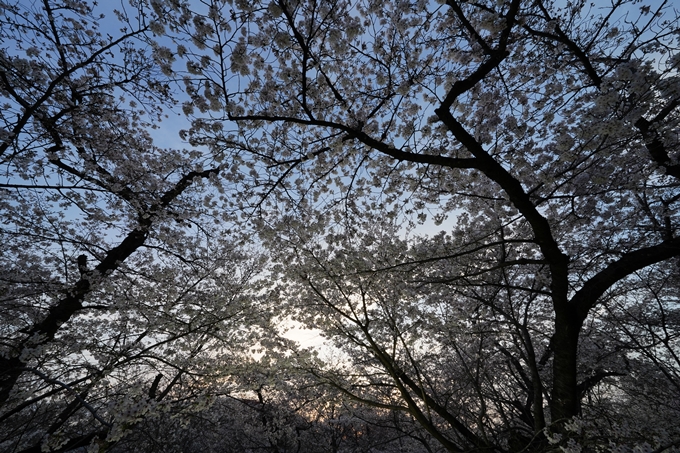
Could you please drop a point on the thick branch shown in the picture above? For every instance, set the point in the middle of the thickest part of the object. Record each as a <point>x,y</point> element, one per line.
<point>495,58</point>
<point>44,331</point>
<point>520,199</point>
<point>595,379</point>
<point>562,38</point>
<point>587,297</point>
<point>653,141</point>
<point>444,161</point>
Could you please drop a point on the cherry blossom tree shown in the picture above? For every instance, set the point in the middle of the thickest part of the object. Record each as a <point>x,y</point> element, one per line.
<point>286,412</point>
<point>542,135</point>
<point>121,291</point>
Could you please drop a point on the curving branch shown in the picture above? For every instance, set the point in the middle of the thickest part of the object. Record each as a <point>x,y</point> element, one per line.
<point>653,140</point>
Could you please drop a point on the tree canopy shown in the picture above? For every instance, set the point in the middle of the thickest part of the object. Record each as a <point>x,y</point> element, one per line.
<point>474,202</point>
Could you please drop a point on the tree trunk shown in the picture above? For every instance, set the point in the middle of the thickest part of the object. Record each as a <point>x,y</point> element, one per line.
<point>565,397</point>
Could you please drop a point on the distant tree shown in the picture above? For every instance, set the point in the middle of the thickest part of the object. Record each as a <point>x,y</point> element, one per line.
<point>544,134</point>
<point>121,294</point>
<point>285,415</point>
